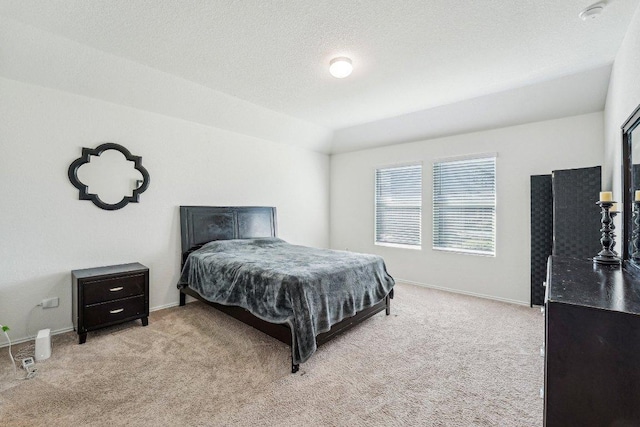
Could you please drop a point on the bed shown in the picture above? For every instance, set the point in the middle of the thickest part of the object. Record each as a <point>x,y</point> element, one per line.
<point>233,260</point>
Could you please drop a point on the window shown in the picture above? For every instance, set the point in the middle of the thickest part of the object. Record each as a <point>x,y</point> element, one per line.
<point>464,205</point>
<point>399,206</point>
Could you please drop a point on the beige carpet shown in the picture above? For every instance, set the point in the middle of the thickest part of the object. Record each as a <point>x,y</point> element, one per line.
<point>440,359</point>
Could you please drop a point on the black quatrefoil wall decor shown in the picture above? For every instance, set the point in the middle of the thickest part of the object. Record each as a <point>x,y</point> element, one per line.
<point>140,187</point>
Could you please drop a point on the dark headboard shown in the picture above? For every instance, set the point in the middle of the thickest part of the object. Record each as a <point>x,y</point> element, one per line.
<point>203,224</point>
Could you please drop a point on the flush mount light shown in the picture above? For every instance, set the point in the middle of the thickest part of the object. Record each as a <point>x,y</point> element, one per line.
<point>340,67</point>
<point>592,12</point>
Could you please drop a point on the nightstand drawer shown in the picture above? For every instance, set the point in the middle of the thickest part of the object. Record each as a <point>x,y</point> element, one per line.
<point>114,311</point>
<point>113,288</point>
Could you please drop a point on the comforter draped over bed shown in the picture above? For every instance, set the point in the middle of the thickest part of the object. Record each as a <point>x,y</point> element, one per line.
<point>310,289</point>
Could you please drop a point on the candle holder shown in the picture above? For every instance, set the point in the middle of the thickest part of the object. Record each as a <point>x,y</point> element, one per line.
<point>613,235</point>
<point>635,231</point>
<point>607,255</point>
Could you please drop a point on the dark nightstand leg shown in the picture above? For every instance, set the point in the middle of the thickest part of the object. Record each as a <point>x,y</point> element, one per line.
<point>183,299</point>
<point>145,321</point>
<point>82,338</point>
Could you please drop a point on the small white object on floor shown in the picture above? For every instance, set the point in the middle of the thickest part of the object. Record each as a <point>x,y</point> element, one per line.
<point>30,366</point>
<point>43,345</point>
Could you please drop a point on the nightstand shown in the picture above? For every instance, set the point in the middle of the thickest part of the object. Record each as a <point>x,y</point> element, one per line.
<point>106,296</point>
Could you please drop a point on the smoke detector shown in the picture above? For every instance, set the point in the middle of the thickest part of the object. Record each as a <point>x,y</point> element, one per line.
<point>592,12</point>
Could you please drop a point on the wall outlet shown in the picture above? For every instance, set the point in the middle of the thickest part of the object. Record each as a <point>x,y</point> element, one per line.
<point>50,302</point>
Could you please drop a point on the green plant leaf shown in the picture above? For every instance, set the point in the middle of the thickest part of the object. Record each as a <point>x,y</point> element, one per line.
<point>5,328</point>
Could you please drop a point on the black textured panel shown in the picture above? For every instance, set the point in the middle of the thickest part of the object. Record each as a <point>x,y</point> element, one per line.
<point>635,176</point>
<point>576,217</point>
<point>628,228</point>
<point>256,223</point>
<point>541,234</point>
<point>207,227</point>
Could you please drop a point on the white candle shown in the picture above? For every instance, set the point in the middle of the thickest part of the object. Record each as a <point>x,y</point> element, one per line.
<point>637,198</point>
<point>606,196</point>
<point>614,208</point>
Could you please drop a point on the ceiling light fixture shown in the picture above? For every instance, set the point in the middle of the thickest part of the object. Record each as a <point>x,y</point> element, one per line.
<point>592,12</point>
<point>340,67</point>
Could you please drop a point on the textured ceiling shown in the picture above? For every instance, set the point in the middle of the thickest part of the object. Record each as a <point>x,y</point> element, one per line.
<point>408,55</point>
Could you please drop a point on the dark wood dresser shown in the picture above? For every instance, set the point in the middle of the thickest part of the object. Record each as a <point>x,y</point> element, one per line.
<point>592,345</point>
<point>106,296</point>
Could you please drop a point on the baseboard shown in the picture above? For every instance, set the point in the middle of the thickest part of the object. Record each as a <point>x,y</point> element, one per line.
<point>70,328</point>
<point>162,307</point>
<point>458,291</point>
<point>31,338</point>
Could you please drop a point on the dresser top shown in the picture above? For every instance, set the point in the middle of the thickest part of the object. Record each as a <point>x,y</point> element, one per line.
<point>110,269</point>
<point>583,283</point>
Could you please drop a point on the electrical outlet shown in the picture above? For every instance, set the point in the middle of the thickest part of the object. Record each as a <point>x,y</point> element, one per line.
<point>50,302</point>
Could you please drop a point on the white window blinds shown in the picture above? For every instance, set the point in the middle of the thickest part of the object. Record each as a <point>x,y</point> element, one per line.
<point>464,205</point>
<point>399,205</point>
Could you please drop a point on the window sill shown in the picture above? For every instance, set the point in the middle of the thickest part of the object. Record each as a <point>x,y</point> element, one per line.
<point>398,245</point>
<point>466,252</point>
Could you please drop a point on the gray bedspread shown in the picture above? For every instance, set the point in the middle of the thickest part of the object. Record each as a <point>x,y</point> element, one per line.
<point>310,289</point>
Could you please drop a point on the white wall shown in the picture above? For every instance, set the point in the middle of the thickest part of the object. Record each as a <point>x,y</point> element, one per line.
<point>623,97</point>
<point>525,150</point>
<point>46,231</point>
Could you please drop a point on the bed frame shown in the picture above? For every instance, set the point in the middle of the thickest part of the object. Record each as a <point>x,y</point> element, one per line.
<point>202,224</point>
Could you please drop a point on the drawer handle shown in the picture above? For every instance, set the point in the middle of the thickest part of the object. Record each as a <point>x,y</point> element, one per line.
<point>119,288</point>
<point>117,311</point>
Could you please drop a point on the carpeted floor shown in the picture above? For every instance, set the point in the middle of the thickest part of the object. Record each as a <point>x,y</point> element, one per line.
<point>440,359</point>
